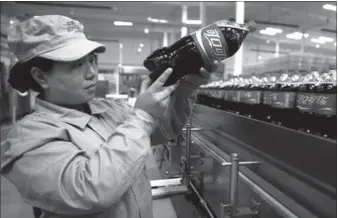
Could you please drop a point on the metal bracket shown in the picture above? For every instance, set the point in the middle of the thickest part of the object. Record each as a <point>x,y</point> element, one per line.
<point>232,210</point>
<point>226,210</point>
<point>167,187</point>
<point>252,211</point>
<point>187,159</point>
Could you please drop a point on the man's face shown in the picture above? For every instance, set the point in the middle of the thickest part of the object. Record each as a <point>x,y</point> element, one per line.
<point>72,83</point>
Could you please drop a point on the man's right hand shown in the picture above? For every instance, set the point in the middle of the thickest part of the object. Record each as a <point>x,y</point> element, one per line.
<point>155,99</point>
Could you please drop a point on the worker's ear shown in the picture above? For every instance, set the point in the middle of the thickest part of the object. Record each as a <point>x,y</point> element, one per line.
<point>40,77</point>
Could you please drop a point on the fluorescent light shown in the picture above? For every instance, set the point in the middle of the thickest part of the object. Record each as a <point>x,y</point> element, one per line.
<point>330,7</point>
<point>266,32</point>
<point>318,41</point>
<point>327,39</point>
<point>306,35</point>
<point>146,31</point>
<point>139,49</point>
<point>317,46</point>
<point>295,35</point>
<point>271,29</point>
<point>141,45</point>
<point>123,23</point>
<point>154,20</point>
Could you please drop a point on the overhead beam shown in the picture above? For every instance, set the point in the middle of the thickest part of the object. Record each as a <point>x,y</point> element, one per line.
<point>195,3</point>
<point>21,9</point>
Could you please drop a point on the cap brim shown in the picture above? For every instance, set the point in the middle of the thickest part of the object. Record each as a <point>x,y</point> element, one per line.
<point>74,51</point>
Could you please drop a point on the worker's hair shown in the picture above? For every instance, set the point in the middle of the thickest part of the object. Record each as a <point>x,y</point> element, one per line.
<point>21,78</point>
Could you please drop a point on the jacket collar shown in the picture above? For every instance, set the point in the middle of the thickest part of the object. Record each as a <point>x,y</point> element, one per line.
<point>70,116</point>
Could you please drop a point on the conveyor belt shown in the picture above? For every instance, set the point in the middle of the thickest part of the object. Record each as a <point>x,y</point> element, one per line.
<point>305,195</point>
<point>312,193</point>
<point>313,156</point>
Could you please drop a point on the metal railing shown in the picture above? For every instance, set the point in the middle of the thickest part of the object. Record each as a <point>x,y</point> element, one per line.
<point>183,184</point>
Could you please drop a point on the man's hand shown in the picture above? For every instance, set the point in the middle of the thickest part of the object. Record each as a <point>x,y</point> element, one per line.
<point>202,78</point>
<point>155,99</point>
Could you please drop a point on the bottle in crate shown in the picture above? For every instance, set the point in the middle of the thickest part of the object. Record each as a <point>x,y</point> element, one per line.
<point>217,94</point>
<point>275,98</point>
<point>326,106</point>
<point>240,95</point>
<point>231,104</point>
<point>251,97</point>
<point>284,100</point>
<point>225,103</point>
<point>265,111</point>
<point>256,101</point>
<point>307,102</point>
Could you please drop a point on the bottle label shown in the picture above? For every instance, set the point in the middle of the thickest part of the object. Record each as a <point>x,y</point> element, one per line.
<point>229,95</point>
<point>251,97</point>
<point>235,96</point>
<point>216,94</point>
<point>225,95</point>
<point>211,44</point>
<point>283,99</point>
<point>267,98</point>
<point>318,103</point>
<point>219,94</point>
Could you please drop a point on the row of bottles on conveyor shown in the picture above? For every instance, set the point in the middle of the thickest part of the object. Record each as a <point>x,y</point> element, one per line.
<point>298,100</point>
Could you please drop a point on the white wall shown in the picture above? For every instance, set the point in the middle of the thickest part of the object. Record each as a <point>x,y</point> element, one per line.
<point>130,55</point>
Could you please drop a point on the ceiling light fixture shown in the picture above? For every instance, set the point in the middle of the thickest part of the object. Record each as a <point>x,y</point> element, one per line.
<point>139,49</point>
<point>318,41</point>
<point>276,30</point>
<point>317,46</point>
<point>141,45</point>
<point>123,23</point>
<point>330,7</point>
<point>326,39</point>
<point>266,32</point>
<point>295,35</point>
<point>154,20</point>
<point>146,30</point>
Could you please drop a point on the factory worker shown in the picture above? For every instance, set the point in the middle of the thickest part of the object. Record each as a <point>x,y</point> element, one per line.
<point>74,155</point>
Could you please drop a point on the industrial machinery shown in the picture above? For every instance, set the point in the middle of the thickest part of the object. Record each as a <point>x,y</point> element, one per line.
<point>230,165</point>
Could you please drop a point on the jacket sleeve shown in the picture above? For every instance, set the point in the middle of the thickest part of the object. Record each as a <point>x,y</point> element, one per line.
<point>56,176</point>
<point>179,110</point>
